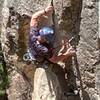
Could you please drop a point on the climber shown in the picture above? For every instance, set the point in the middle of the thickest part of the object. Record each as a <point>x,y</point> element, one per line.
<point>41,40</point>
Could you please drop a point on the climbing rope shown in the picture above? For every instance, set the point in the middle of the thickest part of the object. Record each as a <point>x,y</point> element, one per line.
<point>53,15</point>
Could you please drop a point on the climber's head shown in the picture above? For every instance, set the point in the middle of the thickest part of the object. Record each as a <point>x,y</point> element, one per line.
<point>46,34</point>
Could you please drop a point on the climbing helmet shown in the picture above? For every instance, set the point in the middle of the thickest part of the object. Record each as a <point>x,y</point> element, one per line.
<point>47,32</point>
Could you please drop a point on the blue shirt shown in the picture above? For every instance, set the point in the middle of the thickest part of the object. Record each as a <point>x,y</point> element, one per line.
<point>37,49</point>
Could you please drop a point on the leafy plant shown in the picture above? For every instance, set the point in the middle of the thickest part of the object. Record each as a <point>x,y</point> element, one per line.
<point>3,75</point>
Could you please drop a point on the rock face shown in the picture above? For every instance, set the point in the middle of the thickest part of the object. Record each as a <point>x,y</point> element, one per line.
<point>75,18</point>
<point>20,88</point>
<point>1,3</point>
<point>45,91</point>
<point>88,51</point>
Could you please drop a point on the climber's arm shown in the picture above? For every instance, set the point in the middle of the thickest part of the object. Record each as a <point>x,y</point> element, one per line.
<point>36,17</point>
<point>63,57</point>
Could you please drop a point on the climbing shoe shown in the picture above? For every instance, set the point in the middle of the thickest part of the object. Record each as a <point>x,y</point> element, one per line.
<point>71,93</point>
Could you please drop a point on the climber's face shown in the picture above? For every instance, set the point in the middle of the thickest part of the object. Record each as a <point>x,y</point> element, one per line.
<point>41,39</point>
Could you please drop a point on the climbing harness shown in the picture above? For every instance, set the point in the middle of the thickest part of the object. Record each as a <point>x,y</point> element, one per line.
<point>29,57</point>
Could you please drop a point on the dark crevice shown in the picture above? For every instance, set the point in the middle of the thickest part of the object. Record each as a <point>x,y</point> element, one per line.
<point>23,33</point>
<point>12,27</point>
<point>17,24</point>
<point>71,19</point>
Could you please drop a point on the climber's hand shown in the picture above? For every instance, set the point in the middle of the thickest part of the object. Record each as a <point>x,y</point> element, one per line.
<point>70,51</point>
<point>49,9</point>
<point>65,44</point>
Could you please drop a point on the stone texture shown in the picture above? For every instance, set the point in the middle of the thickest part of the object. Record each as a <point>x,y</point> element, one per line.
<point>88,52</point>
<point>76,17</point>
<point>1,3</point>
<point>19,89</point>
<point>42,90</point>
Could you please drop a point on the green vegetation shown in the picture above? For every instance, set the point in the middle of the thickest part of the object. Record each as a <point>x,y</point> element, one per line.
<point>3,75</point>
<point>3,72</point>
